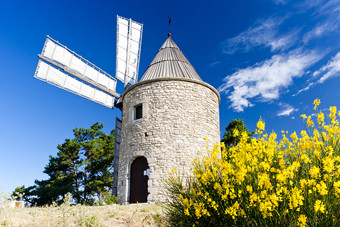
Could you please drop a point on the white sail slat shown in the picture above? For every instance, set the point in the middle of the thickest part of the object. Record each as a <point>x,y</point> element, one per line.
<point>49,48</point>
<point>129,38</point>
<point>59,78</point>
<point>60,54</point>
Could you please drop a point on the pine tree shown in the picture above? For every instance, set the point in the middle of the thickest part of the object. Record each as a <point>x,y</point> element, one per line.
<point>229,138</point>
<point>83,168</point>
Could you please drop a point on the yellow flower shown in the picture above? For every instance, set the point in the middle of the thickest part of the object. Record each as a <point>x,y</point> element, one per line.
<point>236,132</point>
<point>321,118</point>
<point>303,183</point>
<point>337,189</point>
<point>218,187</point>
<point>322,188</point>
<point>232,211</point>
<point>294,137</point>
<point>302,220</point>
<point>296,198</point>
<point>199,210</point>
<point>260,125</point>
<point>319,206</point>
<point>309,122</point>
<point>303,116</point>
<point>332,114</point>
<point>253,199</point>
<point>266,207</point>
<point>328,164</point>
<point>316,103</point>
<point>314,172</point>
<point>329,150</point>
<point>267,176</point>
<point>249,189</point>
<point>264,180</point>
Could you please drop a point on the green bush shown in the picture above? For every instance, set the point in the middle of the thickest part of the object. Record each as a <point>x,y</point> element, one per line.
<point>264,182</point>
<point>109,199</point>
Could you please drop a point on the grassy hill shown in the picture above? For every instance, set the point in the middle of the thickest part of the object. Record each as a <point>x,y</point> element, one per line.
<point>67,215</point>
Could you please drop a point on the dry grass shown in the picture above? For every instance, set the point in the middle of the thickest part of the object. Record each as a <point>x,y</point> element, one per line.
<point>67,215</point>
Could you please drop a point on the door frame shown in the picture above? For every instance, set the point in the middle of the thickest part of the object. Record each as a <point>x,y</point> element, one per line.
<point>129,176</point>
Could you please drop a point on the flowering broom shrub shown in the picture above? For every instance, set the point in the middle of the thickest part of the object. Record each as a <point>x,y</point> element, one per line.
<point>265,182</point>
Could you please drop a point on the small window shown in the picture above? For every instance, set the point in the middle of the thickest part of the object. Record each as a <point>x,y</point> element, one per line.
<point>138,111</point>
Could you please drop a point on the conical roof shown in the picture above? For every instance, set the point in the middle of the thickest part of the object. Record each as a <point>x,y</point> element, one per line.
<point>170,62</point>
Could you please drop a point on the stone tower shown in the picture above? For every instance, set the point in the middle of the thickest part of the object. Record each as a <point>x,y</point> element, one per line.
<point>166,117</point>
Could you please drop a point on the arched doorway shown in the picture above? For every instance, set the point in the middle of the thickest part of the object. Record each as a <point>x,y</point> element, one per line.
<point>139,180</point>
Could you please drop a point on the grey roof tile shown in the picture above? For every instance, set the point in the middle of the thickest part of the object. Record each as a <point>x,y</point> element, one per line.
<point>170,62</point>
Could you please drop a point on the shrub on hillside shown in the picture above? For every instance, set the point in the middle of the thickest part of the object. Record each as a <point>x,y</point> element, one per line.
<point>265,182</point>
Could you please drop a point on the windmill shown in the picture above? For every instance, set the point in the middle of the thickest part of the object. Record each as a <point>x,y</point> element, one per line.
<point>63,68</point>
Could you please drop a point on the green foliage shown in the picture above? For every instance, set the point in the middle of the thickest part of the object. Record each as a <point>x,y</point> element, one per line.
<point>108,198</point>
<point>89,221</point>
<point>229,138</point>
<point>82,168</point>
<point>24,194</point>
<point>98,150</point>
<point>6,223</point>
<point>174,210</point>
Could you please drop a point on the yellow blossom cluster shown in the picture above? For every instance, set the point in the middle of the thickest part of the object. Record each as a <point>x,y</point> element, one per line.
<point>295,180</point>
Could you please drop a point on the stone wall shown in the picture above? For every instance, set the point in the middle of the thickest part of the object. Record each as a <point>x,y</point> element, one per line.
<point>178,114</point>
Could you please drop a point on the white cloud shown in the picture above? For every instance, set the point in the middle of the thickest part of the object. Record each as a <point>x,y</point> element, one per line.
<point>264,33</point>
<point>329,13</point>
<point>331,69</point>
<point>213,64</point>
<point>283,2</point>
<point>286,110</point>
<point>320,30</point>
<point>330,7</point>
<point>266,79</point>
<point>307,4</point>
<point>305,89</point>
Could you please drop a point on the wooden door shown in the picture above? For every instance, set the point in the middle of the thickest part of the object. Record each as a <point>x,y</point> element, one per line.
<point>139,180</point>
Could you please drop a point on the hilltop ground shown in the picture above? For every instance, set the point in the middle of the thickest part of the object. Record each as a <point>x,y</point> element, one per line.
<point>66,215</point>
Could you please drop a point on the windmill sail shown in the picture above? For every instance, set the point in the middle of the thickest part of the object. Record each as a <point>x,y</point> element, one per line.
<point>129,39</point>
<point>65,69</point>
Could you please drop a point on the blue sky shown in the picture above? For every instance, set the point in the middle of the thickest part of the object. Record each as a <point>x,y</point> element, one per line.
<point>268,58</point>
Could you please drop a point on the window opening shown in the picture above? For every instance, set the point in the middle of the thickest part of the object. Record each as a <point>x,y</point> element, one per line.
<point>138,111</point>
